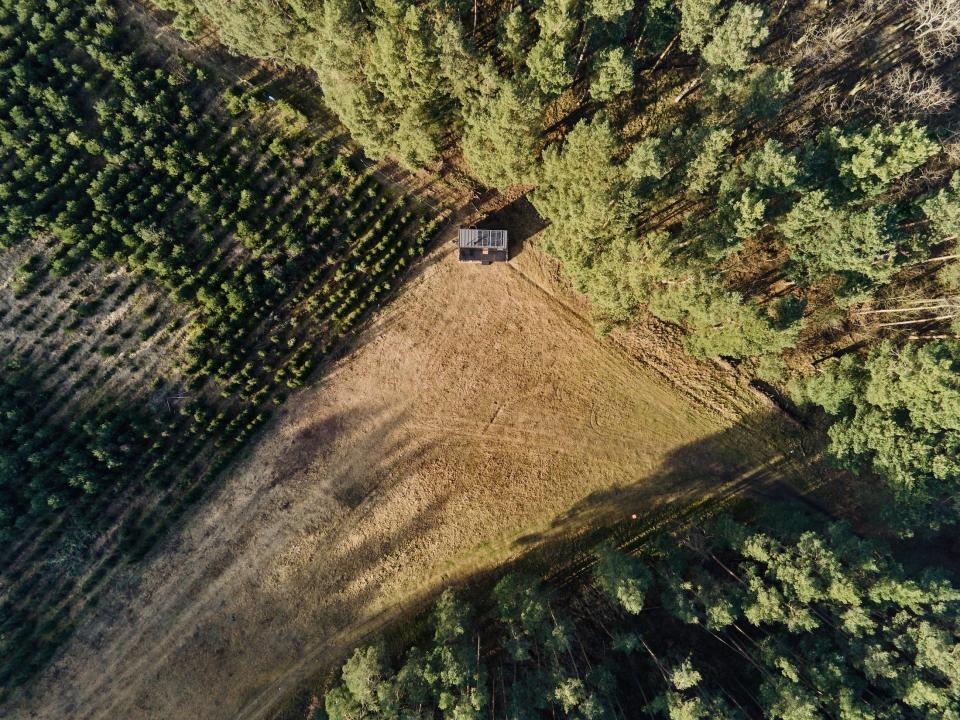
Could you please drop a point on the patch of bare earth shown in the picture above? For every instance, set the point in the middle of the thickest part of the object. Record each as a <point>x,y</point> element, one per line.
<point>479,416</point>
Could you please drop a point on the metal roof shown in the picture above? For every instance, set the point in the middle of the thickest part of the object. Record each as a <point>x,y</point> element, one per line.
<point>476,238</point>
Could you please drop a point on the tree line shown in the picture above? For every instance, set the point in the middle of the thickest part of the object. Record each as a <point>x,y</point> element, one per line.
<point>782,617</point>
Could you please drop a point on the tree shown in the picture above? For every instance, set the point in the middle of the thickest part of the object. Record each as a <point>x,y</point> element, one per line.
<point>784,617</point>
<point>551,65</point>
<point>515,32</point>
<point>340,66</point>
<point>259,28</point>
<point>622,277</point>
<point>748,189</point>
<point>943,211</point>
<point>624,579</point>
<point>742,31</point>
<point>719,322</point>
<point>501,137</point>
<point>860,246</point>
<point>646,160</point>
<point>697,21</point>
<point>450,670</point>
<point>366,689</point>
<point>405,67</point>
<point>711,158</point>
<point>613,74</point>
<point>523,606</point>
<point>551,60</point>
<point>610,10</point>
<point>585,195</point>
<point>868,162</point>
<point>897,413</point>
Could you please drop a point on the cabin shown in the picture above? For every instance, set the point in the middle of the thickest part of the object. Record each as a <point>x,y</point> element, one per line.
<point>483,246</point>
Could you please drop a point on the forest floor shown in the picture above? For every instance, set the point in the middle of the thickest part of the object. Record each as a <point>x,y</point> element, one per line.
<point>475,418</point>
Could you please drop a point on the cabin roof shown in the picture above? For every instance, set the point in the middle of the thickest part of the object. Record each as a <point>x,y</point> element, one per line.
<point>475,238</point>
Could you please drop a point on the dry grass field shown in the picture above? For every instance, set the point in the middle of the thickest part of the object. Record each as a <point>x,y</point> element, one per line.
<point>477,416</point>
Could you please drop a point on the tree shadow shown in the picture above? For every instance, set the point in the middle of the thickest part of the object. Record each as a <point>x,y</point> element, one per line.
<point>726,470</point>
<point>296,625</point>
<point>696,480</point>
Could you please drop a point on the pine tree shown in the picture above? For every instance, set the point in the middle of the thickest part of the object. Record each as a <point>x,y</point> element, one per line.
<point>585,195</point>
<point>698,18</point>
<point>516,32</point>
<point>898,414</point>
<point>501,137</point>
<point>741,32</point>
<point>861,246</point>
<point>943,211</point>
<point>613,74</point>
<point>719,322</point>
<point>868,162</point>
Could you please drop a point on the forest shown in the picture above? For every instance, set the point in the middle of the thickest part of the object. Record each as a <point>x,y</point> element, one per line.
<point>782,181</point>
<point>785,617</point>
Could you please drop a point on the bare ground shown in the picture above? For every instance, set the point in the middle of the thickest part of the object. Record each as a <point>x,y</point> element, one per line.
<point>477,417</point>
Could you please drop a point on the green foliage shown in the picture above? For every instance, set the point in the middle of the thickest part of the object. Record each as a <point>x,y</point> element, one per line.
<point>860,246</point>
<point>613,74</point>
<point>610,10</point>
<point>585,195</point>
<point>742,31</point>
<point>720,323</point>
<point>646,161</point>
<point>550,61</point>
<point>551,65</point>
<point>624,579</point>
<point>785,617</point>
<point>767,89</point>
<point>516,32</point>
<point>748,189</point>
<point>404,68</point>
<point>258,28</point>
<point>868,161</point>
<point>132,171</point>
<point>713,154</point>
<point>498,140</point>
<point>660,23</point>
<point>943,210</point>
<point>622,278</point>
<point>897,413</point>
<point>698,18</point>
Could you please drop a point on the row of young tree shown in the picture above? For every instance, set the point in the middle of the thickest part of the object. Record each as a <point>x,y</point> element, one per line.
<point>118,158</point>
<point>781,618</point>
<point>733,168</point>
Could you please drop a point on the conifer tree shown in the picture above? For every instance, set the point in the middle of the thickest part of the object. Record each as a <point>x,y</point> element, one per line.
<point>613,74</point>
<point>585,195</point>
<point>501,135</point>
<point>898,415</point>
<point>734,40</point>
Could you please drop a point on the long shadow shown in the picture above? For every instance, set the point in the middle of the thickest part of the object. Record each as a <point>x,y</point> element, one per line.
<point>694,482</point>
<point>341,588</point>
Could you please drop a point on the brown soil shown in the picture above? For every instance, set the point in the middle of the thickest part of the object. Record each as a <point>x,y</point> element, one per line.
<point>478,416</point>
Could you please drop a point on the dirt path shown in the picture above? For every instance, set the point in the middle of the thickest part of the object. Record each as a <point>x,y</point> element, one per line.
<point>479,416</point>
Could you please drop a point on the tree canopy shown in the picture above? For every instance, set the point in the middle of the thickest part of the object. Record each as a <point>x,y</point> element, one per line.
<point>779,619</point>
<point>898,415</point>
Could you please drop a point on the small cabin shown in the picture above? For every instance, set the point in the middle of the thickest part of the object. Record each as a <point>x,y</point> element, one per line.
<point>483,246</point>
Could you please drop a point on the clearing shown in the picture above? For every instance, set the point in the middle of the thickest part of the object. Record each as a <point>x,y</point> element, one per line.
<point>477,417</point>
